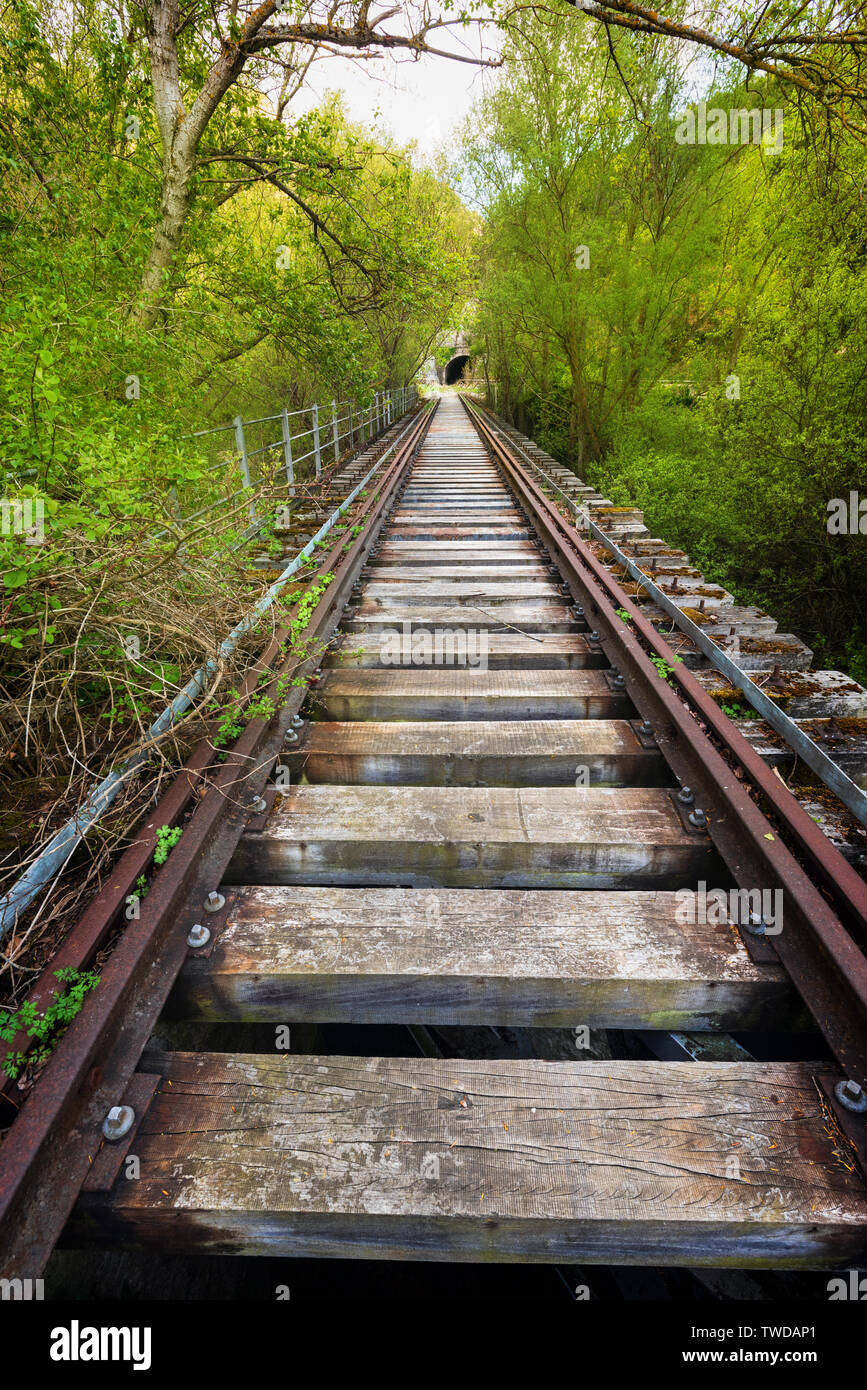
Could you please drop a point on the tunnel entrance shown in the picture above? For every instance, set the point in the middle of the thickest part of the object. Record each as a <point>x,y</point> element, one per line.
<point>455,369</point>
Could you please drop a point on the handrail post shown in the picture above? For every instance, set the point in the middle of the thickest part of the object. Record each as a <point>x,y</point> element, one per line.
<point>317,450</point>
<point>287,450</point>
<point>334,432</point>
<point>241,444</point>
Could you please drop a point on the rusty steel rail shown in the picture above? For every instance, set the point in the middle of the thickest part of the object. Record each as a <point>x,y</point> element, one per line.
<point>825,914</point>
<point>51,1145</point>
<point>54,856</point>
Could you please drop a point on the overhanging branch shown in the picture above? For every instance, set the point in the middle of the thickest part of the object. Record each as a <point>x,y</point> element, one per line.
<point>825,67</point>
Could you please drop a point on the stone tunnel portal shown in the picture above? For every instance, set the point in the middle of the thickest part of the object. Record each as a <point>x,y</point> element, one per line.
<point>455,369</point>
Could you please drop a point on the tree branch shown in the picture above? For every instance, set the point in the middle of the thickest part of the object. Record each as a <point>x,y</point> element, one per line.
<point>809,72</point>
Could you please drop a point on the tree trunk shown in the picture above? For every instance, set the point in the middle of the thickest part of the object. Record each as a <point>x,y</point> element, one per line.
<point>581,424</point>
<point>174,206</point>
<point>180,133</point>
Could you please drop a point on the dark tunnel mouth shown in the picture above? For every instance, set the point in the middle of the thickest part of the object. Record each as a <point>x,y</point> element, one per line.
<point>455,369</point>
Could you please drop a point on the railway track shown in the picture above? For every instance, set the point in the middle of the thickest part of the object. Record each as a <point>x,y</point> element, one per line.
<point>499,808</point>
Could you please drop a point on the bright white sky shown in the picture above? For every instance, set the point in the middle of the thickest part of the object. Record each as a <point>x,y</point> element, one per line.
<point>425,101</point>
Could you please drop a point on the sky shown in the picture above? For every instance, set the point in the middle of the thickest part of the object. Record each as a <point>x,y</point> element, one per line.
<point>425,101</point>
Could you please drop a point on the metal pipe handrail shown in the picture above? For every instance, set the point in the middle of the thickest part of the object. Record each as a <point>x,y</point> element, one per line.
<point>833,776</point>
<point>324,433</point>
<point>369,410</point>
<point>53,857</point>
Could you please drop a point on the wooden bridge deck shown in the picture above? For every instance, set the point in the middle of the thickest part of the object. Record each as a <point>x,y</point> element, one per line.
<point>438,859</point>
<point>610,1162</point>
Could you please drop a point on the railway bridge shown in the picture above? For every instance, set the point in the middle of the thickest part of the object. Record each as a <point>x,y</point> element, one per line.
<point>489,835</point>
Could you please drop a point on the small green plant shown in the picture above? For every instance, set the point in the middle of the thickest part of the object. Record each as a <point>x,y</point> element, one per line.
<point>623,615</point>
<point>664,670</point>
<point>739,711</point>
<point>235,718</point>
<point>166,841</point>
<point>47,1028</point>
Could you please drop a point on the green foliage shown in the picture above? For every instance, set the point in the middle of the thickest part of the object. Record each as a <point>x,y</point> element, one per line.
<point>331,285</point>
<point>236,716</point>
<point>167,838</point>
<point>47,1028</point>
<point>593,224</point>
<point>710,364</point>
<point>663,668</point>
<point>739,711</point>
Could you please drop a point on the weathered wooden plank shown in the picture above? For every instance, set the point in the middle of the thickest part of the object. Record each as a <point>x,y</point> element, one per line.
<point>503,957</point>
<point>688,594</point>
<point>528,616</point>
<point>747,622</point>
<point>481,530</point>
<point>509,837</point>
<point>504,651</point>
<point>515,554</point>
<point>516,752</point>
<point>490,592</point>
<point>808,695</point>
<point>456,574</point>
<point>606,1162</point>
<point>501,515</point>
<point>844,740</point>
<point>421,693</point>
<point>457,546</point>
<point>426,500</point>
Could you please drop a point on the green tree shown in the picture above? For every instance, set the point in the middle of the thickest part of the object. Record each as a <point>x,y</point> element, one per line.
<point>601,256</point>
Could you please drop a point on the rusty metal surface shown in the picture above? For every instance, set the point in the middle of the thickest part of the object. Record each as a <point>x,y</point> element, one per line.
<point>109,1158</point>
<point>853,1127</point>
<point>837,874</point>
<point>817,945</point>
<point>92,929</point>
<point>49,1149</point>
